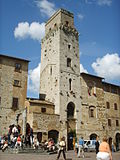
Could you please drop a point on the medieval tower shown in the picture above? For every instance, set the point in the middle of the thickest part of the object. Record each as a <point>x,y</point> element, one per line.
<point>60,69</point>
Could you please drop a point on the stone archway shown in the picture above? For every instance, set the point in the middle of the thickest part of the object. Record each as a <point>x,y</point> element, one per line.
<point>54,134</point>
<point>117,137</point>
<point>70,110</point>
<point>93,136</point>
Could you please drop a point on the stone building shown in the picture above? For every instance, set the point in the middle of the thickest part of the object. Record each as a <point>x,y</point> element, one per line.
<point>80,101</point>
<point>13,90</point>
<point>60,69</point>
<point>42,118</point>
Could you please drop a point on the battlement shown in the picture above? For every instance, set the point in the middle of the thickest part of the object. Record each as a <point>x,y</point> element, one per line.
<point>60,17</point>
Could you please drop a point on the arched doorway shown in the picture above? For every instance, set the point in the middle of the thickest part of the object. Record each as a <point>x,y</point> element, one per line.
<point>70,125</point>
<point>117,141</point>
<point>54,135</point>
<point>93,136</point>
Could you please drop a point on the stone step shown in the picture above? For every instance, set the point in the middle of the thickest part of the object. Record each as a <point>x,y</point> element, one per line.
<point>29,150</point>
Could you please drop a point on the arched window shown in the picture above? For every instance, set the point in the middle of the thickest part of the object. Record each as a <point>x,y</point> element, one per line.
<point>68,62</point>
<point>91,111</point>
<point>70,84</point>
<point>70,110</point>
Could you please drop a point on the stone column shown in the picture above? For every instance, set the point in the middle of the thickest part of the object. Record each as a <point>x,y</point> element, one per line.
<point>24,120</point>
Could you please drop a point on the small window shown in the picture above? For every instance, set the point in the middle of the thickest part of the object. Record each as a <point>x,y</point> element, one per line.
<point>70,84</point>
<point>55,25</point>
<point>49,29</point>
<point>115,106</point>
<point>43,110</point>
<point>68,62</point>
<point>109,122</point>
<point>117,123</point>
<point>108,105</point>
<point>15,103</point>
<point>66,23</point>
<point>17,67</point>
<point>50,70</point>
<point>17,83</point>
<point>91,113</point>
<point>69,46</point>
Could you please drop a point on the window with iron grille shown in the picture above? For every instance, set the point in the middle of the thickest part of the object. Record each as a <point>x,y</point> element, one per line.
<point>91,112</point>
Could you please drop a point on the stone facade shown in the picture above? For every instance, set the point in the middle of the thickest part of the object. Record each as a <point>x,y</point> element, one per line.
<point>96,94</point>
<point>41,117</point>
<point>79,100</point>
<point>13,89</point>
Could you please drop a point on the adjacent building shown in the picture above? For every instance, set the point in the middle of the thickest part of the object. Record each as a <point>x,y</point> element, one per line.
<point>13,91</point>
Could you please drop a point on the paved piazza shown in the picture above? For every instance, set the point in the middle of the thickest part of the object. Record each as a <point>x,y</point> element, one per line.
<point>34,156</point>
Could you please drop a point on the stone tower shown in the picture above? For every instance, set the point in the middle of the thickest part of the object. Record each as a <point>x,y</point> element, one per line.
<point>60,69</point>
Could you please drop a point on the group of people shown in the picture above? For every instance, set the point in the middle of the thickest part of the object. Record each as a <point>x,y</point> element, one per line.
<point>14,138</point>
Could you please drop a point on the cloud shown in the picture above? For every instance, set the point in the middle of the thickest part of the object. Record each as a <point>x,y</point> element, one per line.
<point>34,79</point>
<point>108,66</point>
<point>82,69</point>
<point>104,2</point>
<point>99,2</point>
<point>80,16</point>
<point>34,30</point>
<point>46,8</point>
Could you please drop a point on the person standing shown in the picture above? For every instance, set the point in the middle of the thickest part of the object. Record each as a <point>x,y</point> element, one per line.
<point>81,147</point>
<point>62,146</point>
<point>104,151</point>
<point>97,145</point>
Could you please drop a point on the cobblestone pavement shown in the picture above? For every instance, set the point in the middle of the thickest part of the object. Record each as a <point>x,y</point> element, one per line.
<point>70,156</point>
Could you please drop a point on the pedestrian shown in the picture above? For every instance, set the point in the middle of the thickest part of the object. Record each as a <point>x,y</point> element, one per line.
<point>62,146</point>
<point>104,151</point>
<point>97,145</point>
<point>81,147</point>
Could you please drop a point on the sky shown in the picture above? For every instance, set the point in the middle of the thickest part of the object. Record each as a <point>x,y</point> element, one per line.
<point>22,26</point>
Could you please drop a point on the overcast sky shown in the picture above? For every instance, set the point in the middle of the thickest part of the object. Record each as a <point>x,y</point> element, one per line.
<point>22,25</point>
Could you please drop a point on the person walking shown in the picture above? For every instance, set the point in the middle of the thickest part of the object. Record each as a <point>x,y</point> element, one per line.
<point>97,145</point>
<point>104,151</point>
<point>81,147</point>
<point>62,146</point>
